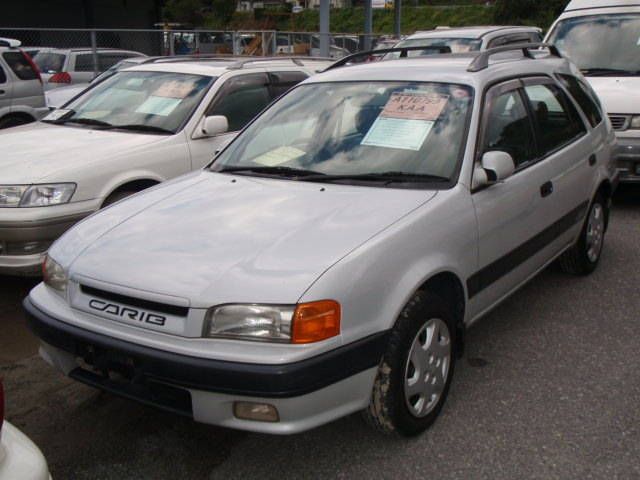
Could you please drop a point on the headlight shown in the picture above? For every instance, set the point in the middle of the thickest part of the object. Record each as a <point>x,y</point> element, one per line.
<point>36,195</point>
<point>54,275</point>
<point>302,323</point>
<point>10,195</point>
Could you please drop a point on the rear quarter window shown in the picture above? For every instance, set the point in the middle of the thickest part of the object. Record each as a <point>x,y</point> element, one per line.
<point>3,77</point>
<point>19,64</point>
<point>49,62</point>
<point>84,63</point>
<point>583,97</point>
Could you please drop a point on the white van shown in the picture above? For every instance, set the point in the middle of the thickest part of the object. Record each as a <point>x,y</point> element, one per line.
<point>602,37</point>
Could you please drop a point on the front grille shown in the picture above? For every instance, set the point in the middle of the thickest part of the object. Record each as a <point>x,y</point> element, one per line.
<point>136,302</point>
<point>619,122</point>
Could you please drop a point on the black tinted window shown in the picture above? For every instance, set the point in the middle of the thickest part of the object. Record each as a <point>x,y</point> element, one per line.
<point>508,128</point>
<point>556,119</point>
<point>283,81</point>
<point>241,99</point>
<point>3,77</point>
<point>108,60</point>
<point>19,64</point>
<point>84,63</point>
<point>582,94</point>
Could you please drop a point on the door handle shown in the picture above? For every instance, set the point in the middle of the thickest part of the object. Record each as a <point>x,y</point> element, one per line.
<point>1,92</point>
<point>592,160</point>
<point>546,189</point>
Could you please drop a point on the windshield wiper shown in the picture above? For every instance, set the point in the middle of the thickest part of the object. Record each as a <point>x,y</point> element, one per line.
<point>278,171</point>
<point>88,121</point>
<point>603,72</point>
<point>383,177</point>
<point>143,128</point>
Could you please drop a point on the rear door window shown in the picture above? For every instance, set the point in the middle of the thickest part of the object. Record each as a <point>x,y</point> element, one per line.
<point>20,65</point>
<point>583,97</point>
<point>84,63</point>
<point>49,62</point>
<point>556,119</point>
<point>3,76</point>
<point>108,60</point>
<point>241,98</point>
<point>281,82</point>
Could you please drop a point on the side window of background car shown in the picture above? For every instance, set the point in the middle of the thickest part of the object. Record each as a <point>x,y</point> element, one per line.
<point>508,128</point>
<point>582,96</point>
<point>510,40</point>
<point>557,121</point>
<point>3,76</point>
<point>108,60</point>
<point>84,62</point>
<point>283,81</point>
<point>241,98</point>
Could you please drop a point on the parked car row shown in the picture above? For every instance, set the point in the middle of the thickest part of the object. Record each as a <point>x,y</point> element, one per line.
<point>329,231</point>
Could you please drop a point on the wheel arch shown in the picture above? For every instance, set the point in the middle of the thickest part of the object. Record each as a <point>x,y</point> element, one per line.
<point>448,286</point>
<point>605,188</point>
<point>19,114</point>
<point>135,185</point>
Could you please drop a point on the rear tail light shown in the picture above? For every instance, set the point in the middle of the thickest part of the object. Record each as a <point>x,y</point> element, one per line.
<point>60,77</point>
<point>28,58</point>
<point>1,405</point>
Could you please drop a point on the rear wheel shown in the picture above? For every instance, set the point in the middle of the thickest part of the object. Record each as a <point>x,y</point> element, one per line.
<point>414,376</point>
<point>584,256</point>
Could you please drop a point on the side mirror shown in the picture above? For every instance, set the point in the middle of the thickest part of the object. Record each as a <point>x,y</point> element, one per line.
<point>494,167</point>
<point>214,125</point>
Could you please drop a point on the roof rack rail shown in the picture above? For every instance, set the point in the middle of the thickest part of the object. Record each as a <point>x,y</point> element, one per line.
<point>403,53</point>
<point>297,60</point>
<point>481,62</point>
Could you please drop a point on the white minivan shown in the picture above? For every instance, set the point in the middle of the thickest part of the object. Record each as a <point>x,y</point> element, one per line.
<point>602,37</point>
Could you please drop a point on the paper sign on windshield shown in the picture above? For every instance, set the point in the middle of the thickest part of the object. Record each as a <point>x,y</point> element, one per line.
<point>162,106</point>
<point>279,156</point>
<point>174,89</point>
<point>415,106</point>
<point>57,114</point>
<point>406,120</point>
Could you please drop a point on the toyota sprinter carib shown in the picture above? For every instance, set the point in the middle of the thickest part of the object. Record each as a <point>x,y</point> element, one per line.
<point>332,256</point>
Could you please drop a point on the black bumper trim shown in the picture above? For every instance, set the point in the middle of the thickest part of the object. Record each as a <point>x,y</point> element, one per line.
<point>235,378</point>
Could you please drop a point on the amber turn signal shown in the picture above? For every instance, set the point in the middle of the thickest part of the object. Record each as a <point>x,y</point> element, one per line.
<point>315,321</point>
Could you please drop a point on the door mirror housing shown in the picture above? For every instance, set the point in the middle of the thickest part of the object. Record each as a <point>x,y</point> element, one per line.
<point>213,125</point>
<point>494,167</point>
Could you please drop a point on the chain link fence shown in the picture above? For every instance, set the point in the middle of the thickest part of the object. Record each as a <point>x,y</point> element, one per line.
<point>193,42</point>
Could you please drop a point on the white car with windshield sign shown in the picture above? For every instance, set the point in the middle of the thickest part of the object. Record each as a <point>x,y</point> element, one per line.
<point>331,257</point>
<point>135,129</point>
<point>602,37</point>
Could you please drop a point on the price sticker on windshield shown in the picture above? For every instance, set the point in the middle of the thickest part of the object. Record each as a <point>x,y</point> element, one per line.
<point>57,114</point>
<point>415,106</point>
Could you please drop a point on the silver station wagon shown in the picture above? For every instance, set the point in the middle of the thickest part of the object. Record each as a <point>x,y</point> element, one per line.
<point>331,257</point>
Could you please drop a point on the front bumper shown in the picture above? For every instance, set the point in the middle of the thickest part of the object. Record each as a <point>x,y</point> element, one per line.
<point>627,155</point>
<point>39,234</point>
<point>306,393</point>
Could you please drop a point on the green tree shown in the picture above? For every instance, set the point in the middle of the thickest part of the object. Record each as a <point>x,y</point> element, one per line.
<point>539,12</point>
<point>188,12</point>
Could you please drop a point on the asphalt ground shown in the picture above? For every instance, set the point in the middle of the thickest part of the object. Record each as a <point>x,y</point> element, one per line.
<point>549,388</point>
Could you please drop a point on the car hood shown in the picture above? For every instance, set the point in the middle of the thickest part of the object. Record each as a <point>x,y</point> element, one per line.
<point>214,238</point>
<point>34,152</point>
<point>617,94</point>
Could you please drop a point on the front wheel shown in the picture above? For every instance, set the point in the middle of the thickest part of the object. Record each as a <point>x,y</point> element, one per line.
<point>414,376</point>
<point>583,257</point>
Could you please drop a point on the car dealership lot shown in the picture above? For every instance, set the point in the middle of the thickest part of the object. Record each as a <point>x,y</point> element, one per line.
<point>548,388</point>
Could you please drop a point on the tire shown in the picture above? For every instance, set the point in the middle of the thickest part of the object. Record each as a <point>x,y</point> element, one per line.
<point>392,409</point>
<point>117,196</point>
<point>584,256</point>
<point>9,121</point>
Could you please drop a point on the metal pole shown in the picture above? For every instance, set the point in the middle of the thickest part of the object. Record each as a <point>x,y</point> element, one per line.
<point>324,28</point>
<point>274,43</point>
<point>94,53</point>
<point>397,7</point>
<point>234,48</point>
<point>172,50</point>
<point>368,24</point>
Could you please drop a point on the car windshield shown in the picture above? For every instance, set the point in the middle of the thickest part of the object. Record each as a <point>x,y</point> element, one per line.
<point>357,131</point>
<point>146,101</point>
<point>601,44</point>
<point>457,45</point>
<point>49,62</point>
